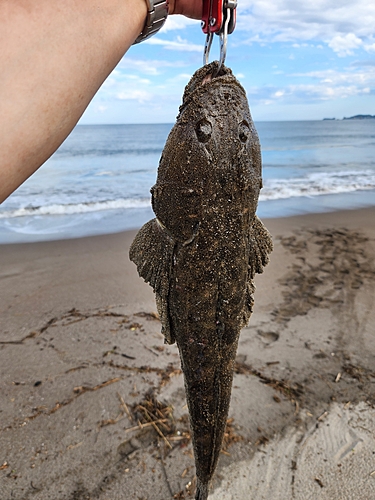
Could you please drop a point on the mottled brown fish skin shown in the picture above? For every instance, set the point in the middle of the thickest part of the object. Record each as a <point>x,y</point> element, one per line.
<point>201,253</point>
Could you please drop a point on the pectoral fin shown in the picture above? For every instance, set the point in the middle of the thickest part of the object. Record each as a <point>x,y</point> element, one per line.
<point>152,253</point>
<point>261,246</point>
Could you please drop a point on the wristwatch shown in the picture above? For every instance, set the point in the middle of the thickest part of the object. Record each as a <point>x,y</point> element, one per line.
<point>157,13</point>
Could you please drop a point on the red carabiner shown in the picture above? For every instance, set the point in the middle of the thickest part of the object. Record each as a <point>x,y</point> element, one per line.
<point>214,15</point>
<point>219,17</point>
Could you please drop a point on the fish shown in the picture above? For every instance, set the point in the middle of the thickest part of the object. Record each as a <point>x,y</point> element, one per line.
<point>202,250</point>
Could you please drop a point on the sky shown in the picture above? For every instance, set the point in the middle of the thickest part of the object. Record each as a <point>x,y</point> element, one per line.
<point>296,60</point>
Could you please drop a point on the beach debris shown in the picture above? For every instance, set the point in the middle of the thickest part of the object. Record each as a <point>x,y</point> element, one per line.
<point>115,352</point>
<point>151,412</point>
<point>151,316</point>
<point>154,419</point>
<point>291,390</point>
<point>342,262</point>
<point>319,481</point>
<point>201,252</point>
<point>82,388</point>
<point>135,326</point>
<point>124,406</point>
<point>77,392</point>
<point>358,372</point>
<point>322,416</point>
<point>230,435</point>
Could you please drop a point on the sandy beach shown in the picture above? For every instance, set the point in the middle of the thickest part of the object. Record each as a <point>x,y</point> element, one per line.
<point>92,401</point>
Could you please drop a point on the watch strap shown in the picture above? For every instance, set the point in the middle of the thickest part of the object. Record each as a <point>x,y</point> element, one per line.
<point>157,13</point>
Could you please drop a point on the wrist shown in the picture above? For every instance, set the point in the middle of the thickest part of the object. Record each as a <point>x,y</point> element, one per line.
<point>172,7</point>
<point>188,8</point>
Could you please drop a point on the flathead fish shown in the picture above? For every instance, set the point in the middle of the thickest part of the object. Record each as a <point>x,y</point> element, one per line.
<point>201,252</point>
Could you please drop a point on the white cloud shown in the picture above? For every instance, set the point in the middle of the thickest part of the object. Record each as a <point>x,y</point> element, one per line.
<point>303,93</point>
<point>122,86</point>
<point>349,77</point>
<point>118,78</point>
<point>178,44</point>
<point>151,67</point>
<point>177,23</point>
<point>324,91</point>
<point>185,77</point>
<point>344,45</point>
<point>136,78</point>
<point>329,85</point>
<point>134,95</point>
<point>321,20</point>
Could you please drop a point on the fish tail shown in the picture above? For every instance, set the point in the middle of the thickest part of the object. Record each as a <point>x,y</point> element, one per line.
<point>201,492</point>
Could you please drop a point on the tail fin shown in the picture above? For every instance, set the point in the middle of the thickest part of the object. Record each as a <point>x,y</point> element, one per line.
<point>201,491</point>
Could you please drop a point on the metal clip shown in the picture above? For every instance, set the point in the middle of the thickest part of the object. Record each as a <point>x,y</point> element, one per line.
<point>219,17</point>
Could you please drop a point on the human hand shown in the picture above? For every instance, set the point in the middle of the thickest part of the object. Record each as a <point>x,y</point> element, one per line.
<point>188,8</point>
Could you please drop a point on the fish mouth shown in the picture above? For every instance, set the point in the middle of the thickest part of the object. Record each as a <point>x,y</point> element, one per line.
<point>215,72</point>
<point>207,79</point>
<point>210,75</point>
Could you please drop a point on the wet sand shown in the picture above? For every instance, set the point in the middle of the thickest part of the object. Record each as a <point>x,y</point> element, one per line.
<point>82,362</point>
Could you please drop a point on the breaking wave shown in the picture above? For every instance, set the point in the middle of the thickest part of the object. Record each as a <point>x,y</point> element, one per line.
<point>312,184</point>
<point>76,208</point>
<point>316,184</point>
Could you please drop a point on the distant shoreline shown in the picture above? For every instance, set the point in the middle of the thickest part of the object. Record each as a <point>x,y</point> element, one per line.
<point>355,117</point>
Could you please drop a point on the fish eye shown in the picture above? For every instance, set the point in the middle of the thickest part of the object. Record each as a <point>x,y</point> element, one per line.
<point>203,129</point>
<point>243,131</point>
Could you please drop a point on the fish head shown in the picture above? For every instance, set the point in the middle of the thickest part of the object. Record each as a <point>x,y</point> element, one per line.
<point>216,104</point>
<point>212,153</point>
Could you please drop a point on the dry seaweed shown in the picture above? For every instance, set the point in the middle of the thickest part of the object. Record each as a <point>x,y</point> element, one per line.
<point>152,412</point>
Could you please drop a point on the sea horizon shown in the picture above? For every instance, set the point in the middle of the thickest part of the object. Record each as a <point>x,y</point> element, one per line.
<point>353,117</point>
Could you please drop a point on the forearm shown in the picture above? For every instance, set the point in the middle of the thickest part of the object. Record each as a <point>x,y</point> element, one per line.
<point>54,55</point>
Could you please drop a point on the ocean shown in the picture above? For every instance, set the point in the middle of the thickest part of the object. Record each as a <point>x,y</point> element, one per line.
<point>99,180</point>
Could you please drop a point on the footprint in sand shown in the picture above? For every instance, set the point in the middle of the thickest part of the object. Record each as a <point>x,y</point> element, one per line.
<point>268,337</point>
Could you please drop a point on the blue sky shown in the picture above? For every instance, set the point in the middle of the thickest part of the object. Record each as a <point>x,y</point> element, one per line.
<point>297,61</point>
